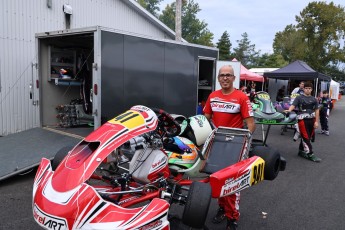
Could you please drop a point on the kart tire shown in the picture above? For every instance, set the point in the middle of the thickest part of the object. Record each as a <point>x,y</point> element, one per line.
<point>196,207</point>
<point>59,156</point>
<point>271,158</point>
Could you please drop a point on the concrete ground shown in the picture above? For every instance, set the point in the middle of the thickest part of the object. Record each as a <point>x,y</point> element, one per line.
<point>306,196</point>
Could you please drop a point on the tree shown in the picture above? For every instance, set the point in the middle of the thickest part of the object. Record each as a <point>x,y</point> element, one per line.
<point>289,44</point>
<point>323,27</point>
<point>245,52</point>
<point>193,30</point>
<point>271,61</point>
<point>224,46</point>
<point>151,6</point>
<point>318,37</point>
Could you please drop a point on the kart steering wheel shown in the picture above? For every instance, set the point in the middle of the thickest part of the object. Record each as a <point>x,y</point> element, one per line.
<point>167,123</point>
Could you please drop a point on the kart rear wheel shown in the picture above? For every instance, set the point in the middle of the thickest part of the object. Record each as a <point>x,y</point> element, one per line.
<point>59,156</point>
<point>271,158</point>
<point>196,207</point>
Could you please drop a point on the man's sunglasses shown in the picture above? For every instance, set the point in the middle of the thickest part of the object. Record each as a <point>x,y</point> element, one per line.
<point>226,75</point>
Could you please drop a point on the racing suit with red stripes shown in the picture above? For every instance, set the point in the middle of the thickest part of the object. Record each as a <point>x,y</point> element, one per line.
<point>306,107</point>
<point>229,111</point>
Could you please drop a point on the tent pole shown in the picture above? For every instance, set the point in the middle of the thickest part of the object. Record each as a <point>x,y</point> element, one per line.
<point>316,86</point>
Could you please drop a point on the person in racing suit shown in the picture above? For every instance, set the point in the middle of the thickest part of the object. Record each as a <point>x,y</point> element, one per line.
<point>307,115</point>
<point>229,107</point>
<point>325,105</point>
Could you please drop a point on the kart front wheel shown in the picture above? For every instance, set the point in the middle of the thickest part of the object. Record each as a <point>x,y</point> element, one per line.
<point>271,158</point>
<point>196,207</point>
<point>59,156</point>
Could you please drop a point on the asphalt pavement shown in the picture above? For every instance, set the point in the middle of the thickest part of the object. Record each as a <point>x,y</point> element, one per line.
<point>306,196</point>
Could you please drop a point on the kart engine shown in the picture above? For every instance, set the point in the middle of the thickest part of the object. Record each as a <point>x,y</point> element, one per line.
<point>149,162</point>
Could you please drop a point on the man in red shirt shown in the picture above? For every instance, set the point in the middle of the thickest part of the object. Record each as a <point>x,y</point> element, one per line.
<point>229,107</point>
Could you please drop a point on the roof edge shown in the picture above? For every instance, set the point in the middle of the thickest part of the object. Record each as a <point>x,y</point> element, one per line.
<point>136,6</point>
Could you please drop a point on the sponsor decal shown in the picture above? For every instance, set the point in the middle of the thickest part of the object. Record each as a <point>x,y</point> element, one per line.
<point>127,200</point>
<point>48,221</point>
<point>140,108</point>
<point>263,96</point>
<point>152,225</point>
<point>158,163</point>
<point>223,106</point>
<point>268,121</point>
<point>257,171</point>
<point>233,185</point>
<point>199,121</point>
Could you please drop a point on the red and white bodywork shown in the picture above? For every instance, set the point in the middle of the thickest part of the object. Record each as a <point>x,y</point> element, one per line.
<point>66,198</point>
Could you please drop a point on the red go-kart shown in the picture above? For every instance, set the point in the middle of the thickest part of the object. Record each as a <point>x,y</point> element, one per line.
<point>127,173</point>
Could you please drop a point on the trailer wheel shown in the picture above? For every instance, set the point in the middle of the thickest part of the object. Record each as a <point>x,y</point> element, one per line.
<point>271,158</point>
<point>59,156</point>
<point>196,207</point>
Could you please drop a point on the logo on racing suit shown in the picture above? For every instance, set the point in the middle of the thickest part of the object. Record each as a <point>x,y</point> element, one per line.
<point>48,221</point>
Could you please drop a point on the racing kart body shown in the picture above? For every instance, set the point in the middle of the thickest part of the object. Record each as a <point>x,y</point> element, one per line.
<point>265,112</point>
<point>127,173</point>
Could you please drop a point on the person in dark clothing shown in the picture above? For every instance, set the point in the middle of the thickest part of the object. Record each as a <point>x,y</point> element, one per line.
<point>308,115</point>
<point>325,105</point>
<point>280,94</point>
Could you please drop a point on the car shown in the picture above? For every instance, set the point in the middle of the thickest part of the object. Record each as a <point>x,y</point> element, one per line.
<point>127,173</point>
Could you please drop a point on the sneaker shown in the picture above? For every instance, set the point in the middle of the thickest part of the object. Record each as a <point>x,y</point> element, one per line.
<point>322,132</point>
<point>231,224</point>
<point>327,133</point>
<point>220,216</point>
<point>314,158</point>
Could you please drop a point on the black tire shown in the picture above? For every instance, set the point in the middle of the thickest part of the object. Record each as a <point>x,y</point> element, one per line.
<point>196,207</point>
<point>59,156</point>
<point>271,158</point>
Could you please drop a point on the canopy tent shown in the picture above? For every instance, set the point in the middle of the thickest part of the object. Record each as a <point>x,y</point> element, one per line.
<point>246,75</point>
<point>298,70</point>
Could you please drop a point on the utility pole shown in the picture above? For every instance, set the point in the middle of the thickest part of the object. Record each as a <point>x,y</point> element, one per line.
<point>178,23</point>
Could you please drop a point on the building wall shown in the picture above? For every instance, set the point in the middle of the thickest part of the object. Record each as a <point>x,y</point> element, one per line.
<point>20,20</point>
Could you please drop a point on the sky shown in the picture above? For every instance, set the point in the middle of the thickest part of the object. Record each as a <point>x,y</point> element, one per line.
<point>261,20</point>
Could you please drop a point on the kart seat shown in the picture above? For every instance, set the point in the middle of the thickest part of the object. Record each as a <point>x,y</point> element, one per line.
<point>225,150</point>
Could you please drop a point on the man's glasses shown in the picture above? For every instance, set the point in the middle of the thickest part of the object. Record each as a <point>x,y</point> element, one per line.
<point>223,75</point>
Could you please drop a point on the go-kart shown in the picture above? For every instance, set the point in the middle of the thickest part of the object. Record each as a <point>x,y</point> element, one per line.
<point>266,113</point>
<point>128,172</point>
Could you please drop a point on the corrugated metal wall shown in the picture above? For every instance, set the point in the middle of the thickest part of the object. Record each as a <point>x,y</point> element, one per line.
<point>20,20</point>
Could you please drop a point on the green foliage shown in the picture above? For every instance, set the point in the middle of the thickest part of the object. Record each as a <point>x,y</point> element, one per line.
<point>151,6</point>
<point>193,30</point>
<point>224,46</point>
<point>245,52</point>
<point>289,44</point>
<point>323,27</point>
<point>271,61</point>
<point>318,37</point>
